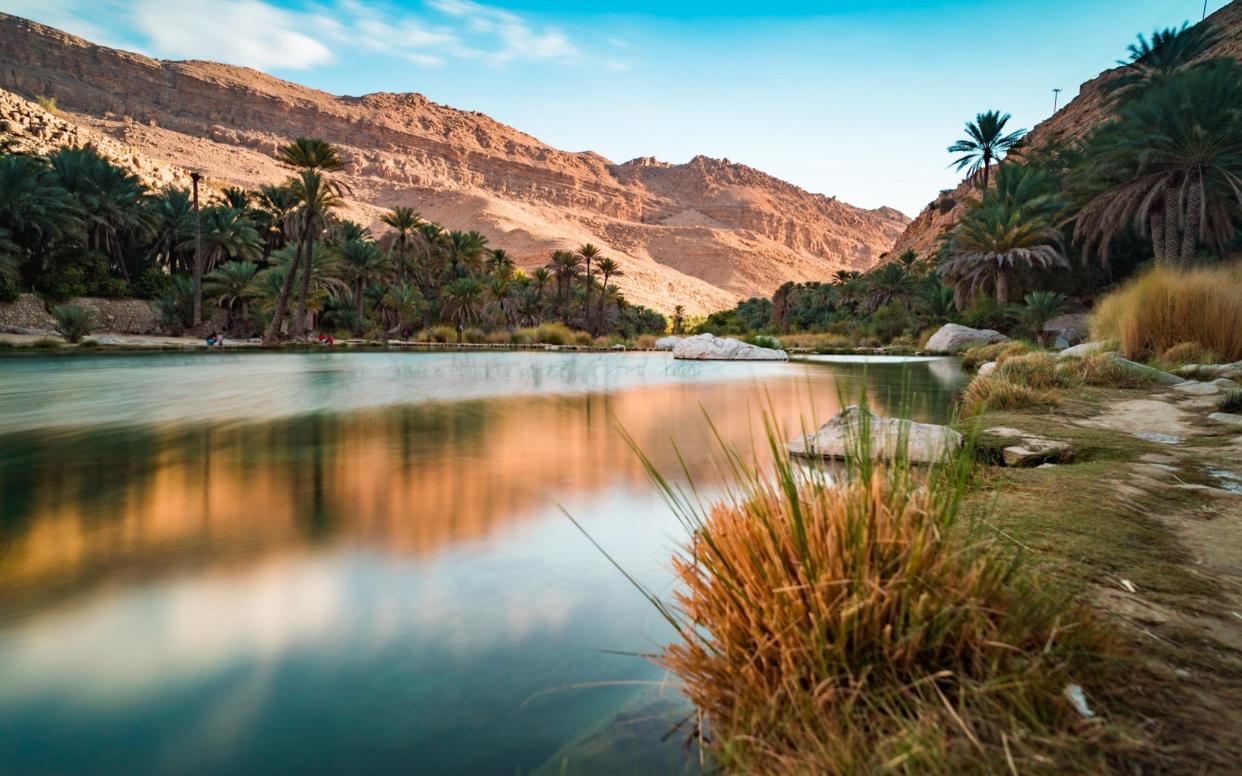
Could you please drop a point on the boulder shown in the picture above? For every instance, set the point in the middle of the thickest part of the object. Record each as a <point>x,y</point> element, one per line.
<point>709,347</point>
<point>1198,389</point>
<point>953,337</point>
<point>1155,375</point>
<point>1210,371</point>
<point>1031,449</point>
<point>667,343</point>
<point>987,369</point>
<point>1084,350</point>
<point>838,438</point>
<point>1227,418</point>
<point>1068,329</point>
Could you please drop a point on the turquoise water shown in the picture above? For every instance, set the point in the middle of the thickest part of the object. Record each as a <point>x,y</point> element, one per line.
<point>358,562</point>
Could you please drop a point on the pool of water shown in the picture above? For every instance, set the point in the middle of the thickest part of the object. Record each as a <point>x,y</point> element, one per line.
<point>358,562</point>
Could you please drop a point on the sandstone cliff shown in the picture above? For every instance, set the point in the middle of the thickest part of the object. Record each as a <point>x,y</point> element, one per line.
<point>1072,122</point>
<point>700,234</point>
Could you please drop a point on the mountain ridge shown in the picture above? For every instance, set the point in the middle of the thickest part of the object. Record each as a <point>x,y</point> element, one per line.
<point>703,234</point>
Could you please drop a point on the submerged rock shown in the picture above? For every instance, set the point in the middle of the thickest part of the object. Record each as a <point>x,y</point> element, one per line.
<point>839,438</point>
<point>667,343</point>
<point>709,347</point>
<point>953,337</point>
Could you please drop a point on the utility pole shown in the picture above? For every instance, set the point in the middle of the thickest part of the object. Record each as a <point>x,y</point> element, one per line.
<point>1204,10</point>
<point>1056,94</point>
<point>198,255</point>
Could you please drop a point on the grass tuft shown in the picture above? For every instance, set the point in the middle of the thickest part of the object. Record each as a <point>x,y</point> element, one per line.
<point>995,392</point>
<point>1230,401</point>
<point>1185,353</point>
<point>999,351</point>
<point>858,625</point>
<point>1039,371</point>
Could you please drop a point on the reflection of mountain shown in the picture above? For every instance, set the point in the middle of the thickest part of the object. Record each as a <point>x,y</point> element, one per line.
<point>81,508</point>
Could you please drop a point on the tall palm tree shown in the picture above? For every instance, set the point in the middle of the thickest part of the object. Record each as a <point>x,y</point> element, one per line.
<point>34,208</point>
<point>1152,64</point>
<point>361,263</point>
<point>232,284</point>
<point>540,277</point>
<point>588,252</point>
<point>985,142</point>
<point>465,252</point>
<point>608,268</point>
<point>1171,164</point>
<point>463,302</point>
<point>111,198</point>
<point>404,221</point>
<point>889,283</point>
<point>403,301</point>
<point>280,204</point>
<point>565,265</point>
<point>429,271</point>
<point>317,196</point>
<point>315,158</point>
<point>500,263</point>
<point>501,303</point>
<point>679,318</point>
<point>236,197</point>
<point>173,213</point>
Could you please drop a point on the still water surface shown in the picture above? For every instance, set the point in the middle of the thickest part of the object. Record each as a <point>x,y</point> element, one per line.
<point>357,562</point>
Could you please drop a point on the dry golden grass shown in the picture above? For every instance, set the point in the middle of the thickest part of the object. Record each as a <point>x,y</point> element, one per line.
<point>995,392</point>
<point>856,625</point>
<point>1039,371</point>
<point>647,341</point>
<point>977,356</point>
<point>1164,308</point>
<point>1185,353</point>
<point>1102,370</point>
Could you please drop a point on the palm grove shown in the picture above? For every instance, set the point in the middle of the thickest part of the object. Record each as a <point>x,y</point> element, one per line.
<point>279,260</point>
<point>1159,182</point>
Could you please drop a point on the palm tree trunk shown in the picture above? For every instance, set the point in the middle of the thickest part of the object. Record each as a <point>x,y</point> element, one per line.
<point>1170,225</point>
<point>273,328</point>
<point>586,287</point>
<point>1002,286</point>
<point>987,168</point>
<point>1157,236</point>
<point>603,299</point>
<point>359,298</point>
<point>1194,216</point>
<point>298,328</point>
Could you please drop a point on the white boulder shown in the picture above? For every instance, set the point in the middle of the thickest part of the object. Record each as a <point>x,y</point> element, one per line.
<point>667,343</point>
<point>709,347</point>
<point>953,337</point>
<point>987,369</point>
<point>839,438</point>
<point>1084,350</point>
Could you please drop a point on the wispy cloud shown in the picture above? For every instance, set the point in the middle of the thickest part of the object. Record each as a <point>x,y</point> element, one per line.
<point>244,32</point>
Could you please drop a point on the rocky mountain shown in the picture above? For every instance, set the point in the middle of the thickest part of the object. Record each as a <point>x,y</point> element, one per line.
<point>1073,121</point>
<point>701,234</point>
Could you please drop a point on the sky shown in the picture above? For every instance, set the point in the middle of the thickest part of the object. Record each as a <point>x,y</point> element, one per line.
<point>857,100</point>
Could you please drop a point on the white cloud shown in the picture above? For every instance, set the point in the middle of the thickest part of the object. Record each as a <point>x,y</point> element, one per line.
<point>241,32</point>
<point>517,38</point>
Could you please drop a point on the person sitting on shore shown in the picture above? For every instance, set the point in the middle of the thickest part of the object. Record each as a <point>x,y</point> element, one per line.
<point>211,340</point>
<point>326,340</point>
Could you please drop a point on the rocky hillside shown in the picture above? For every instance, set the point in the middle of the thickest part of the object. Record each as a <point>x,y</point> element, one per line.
<point>1075,120</point>
<point>700,234</point>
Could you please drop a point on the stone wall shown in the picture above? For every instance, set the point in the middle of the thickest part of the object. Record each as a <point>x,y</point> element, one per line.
<point>27,312</point>
<point>121,316</point>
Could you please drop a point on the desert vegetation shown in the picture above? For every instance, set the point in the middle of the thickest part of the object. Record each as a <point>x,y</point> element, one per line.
<point>279,260</point>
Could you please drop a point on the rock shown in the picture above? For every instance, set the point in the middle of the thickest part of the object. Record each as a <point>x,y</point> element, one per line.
<point>924,442</point>
<point>1068,329</point>
<point>1210,371</point>
<point>1084,350</point>
<point>953,337</point>
<point>709,347</point>
<point>1227,418</point>
<point>1225,382</point>
<point>1155,375</point>
<point>1031,449</point>
<point>987,369</point>
<point>667,343</point>
<point>1197,389</point>
<point>618,346</point>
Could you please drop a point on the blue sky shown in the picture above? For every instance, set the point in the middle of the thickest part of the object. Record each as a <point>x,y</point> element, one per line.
<point>854,99</point>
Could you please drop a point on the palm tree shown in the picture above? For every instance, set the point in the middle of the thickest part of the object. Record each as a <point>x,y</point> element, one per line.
<point>361,263</point>
<point>225,233</point>
<point>500,301</point>
<point>565,266</point>
<point>500,263</point>
<point>679,318</point>
<point>1172,159</point>
<point>280,204</point>
<point>403,301</point>
<point>608,268</point>
<point>588,252</point>
<point>317,196</point>
<point>1153,63</point>
<point>540,277</point>
<point>314,158</point>
<point>231,284</point>
<point>530,308</point>
<point>465,251</point>
<point>236,197</point>
<point>985,143</point>
<point>34,208</point>
<point>345,230</point>
<point>429,270</point>
<point>890,282</point>
<point>403,220</point>
<point>173,214</point>
<point>463,301</point>
<point>1013,226</point>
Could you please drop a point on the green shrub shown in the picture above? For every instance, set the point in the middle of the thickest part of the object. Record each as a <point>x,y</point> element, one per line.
<point>153,283</point>
<point>764,341</point>
<point>442,334</point>
<point>9,290</point>
<point>986,313</point>
<point>553,334</point>
<point>890,322</point>
<point>72,322</point>
<point>47,343</point>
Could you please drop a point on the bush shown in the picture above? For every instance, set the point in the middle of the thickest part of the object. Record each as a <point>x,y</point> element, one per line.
<point>153,283</point>
<point>979,355</point>
<point>474,336</point>
<point>582,339</point>
<point>47,343</point>
<point>986,313</point>
<point>890,321</point>
<point>442,334</point>
<point>1163,308</point>
<point>9,290</point>
<point>500,337</point>
<point>647,342</point>
<point>553,334</point>
<point>857,625</point>
<point>996,393</point>
<point>72,322</point>
<point>764,341</point>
